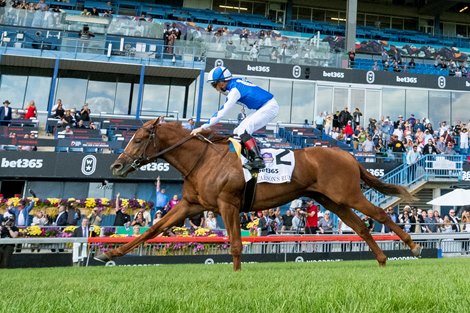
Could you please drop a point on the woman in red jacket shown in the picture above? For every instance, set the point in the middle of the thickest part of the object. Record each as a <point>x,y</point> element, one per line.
<point>31,111</point>
<point>348,132</point>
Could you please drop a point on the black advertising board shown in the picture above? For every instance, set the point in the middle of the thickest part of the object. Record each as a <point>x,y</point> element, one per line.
<point>75,166</point>
<point>341,75</point>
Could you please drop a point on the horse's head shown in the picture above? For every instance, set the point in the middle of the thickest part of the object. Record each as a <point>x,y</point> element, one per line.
<point>141,150</point>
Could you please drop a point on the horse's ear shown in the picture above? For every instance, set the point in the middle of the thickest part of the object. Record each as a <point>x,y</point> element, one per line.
<point>159,120</point>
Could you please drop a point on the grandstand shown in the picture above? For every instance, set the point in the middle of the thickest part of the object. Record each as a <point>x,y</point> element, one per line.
<point>128,74</point>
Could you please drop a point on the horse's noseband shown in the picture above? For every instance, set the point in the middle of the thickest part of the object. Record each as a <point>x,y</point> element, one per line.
<point>143,158</point>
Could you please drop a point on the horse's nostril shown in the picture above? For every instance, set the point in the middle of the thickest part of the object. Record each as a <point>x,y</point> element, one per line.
<point>116,166</point>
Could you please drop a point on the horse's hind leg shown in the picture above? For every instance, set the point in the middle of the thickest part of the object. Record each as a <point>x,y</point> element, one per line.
<point>352,220</point>
<point>380,216</point>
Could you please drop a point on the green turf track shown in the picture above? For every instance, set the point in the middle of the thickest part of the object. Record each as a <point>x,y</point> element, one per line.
<point>438,285</point>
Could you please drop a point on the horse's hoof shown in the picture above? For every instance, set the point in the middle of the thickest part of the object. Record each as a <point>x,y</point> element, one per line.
<point>417,250</point>
<point>103,258</point>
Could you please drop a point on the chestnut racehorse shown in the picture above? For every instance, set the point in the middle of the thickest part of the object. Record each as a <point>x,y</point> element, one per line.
<point>213,180</point>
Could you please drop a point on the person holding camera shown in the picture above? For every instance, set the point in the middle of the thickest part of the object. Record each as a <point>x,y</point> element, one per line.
<point>7,230</point>
<point>311,226</point>
<point>21,213</point>
<point>85,113</point>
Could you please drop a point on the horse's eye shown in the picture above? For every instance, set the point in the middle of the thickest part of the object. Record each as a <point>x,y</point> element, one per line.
<point>138,140</point>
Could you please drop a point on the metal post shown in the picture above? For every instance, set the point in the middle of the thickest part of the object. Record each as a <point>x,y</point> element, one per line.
<point>141,92</point>
<point>199,100</point>
<point>50,103</point>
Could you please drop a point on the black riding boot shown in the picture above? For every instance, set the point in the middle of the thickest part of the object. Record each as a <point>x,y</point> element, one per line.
<point>255,161</point>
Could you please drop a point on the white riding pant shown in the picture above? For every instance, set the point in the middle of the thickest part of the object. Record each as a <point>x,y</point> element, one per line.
<point>259,119</point>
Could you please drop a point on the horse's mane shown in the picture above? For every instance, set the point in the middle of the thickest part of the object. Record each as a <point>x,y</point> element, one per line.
<point>210,134</point>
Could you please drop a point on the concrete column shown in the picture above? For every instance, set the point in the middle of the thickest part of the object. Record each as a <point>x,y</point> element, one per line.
<point>351,22</point>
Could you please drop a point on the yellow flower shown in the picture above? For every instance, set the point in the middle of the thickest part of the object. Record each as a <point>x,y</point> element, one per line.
<point>34,231</point>
<point>97,229</point>
<point>141,202</point>
<point>117,235</point>
<point>104,201</point>
<point>201,232</point>
<point>125,203</point>
<point>70,229</point>
<point>90,203</point>
<point>13,201</point>
<point>70,199</point>
<point>54,201</point>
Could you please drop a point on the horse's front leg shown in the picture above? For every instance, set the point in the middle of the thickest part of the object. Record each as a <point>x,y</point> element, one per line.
<point>176,216</point>
<point>230,214</point>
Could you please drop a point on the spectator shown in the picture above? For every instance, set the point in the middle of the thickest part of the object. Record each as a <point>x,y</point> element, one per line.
<point>85,33</point>
<point>197,221</point>
<point>396,144</point>
<point>298,221</point>
<point>348,133</point>
<point>441,145</point>
<point>68,131</point>
<point>254,52</point>
<point>68,119</point>
<point>95,217</point>
<point>357,117</point>
<point>230,50</point>
<point>85,12</point>
<point>5,113</point>
<point>94,12</point>
<point>430,148</point>
<point>21,213</point>
<point>40,219</point>
<point>369,223</point>
<point>393,216</point>
<point>135,231</point>
<point>61,219</point>
<point>122,218</point>
<point>328,123</point>
<point>81,125</point>
<point>376,67</point>
<point>266,224</point>
<point>368,145</point>
<point>85,113</point>
<point>158,217</point>
<point>325,224</point>
<point>8,229</point>
<point>455,221</point>
<point>352,57</point>
<point>84,230</point>
<point>58,110</point>
<point>139,220</point>
<point>161,198</point>
<point>344,117</point>
<point>464,141</point>
<point>211,221</point>
<point>275,55</point>
<point>319,121</point>
<point>412,158</point>
<point>411,64</point>
<point>242,115</point>
<point>31,111</point>
<point>190,124</point>
<point>172,203</point>
<point>430,222</point>
<point>345,229</point>
<point>311,225</point>
<point>287,220</point>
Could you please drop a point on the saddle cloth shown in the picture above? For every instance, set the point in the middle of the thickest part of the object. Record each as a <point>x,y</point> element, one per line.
<point>279,163</point>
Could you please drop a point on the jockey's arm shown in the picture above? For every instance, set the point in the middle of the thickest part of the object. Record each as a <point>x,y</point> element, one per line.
<point>232,98</point>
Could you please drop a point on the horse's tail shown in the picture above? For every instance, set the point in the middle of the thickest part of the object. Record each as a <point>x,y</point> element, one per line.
<point>386,189</point>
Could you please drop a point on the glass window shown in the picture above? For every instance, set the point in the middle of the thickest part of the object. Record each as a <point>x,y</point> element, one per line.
<point>318,15</point>
<point>176,103</point>
<point>410,24</point>
<point>100,96</point>
<point>358,101</point>
<point>439,107</point>
<point>155,99</point>
<point>361,19</point>
<point>13,89</point>
<point>461,30</point>
<point>340,99</point>
<point>304,13</point>
<point>303,101</point>
<point>123,94</point>
<point>72,92</point>
<point>393,102</point>
<point>192,98</point>
<point>460,107</point>
<point>38,89</point>
<point>324,98</point>
<point>259,8</point>
<point>210,100</point>
<point>397,23</point>
<point>97,190</point>
<point>416,103</point>
<point>372,104</point>
<point>282,91</point>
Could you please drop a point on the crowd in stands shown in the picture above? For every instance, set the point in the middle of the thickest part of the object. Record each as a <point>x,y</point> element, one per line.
<point>400,136</point>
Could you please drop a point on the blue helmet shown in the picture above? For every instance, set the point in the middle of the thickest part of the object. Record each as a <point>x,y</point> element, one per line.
<point>219,74</point>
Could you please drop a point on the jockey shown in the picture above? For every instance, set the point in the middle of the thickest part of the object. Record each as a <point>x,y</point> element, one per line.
<point>254,98</point>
